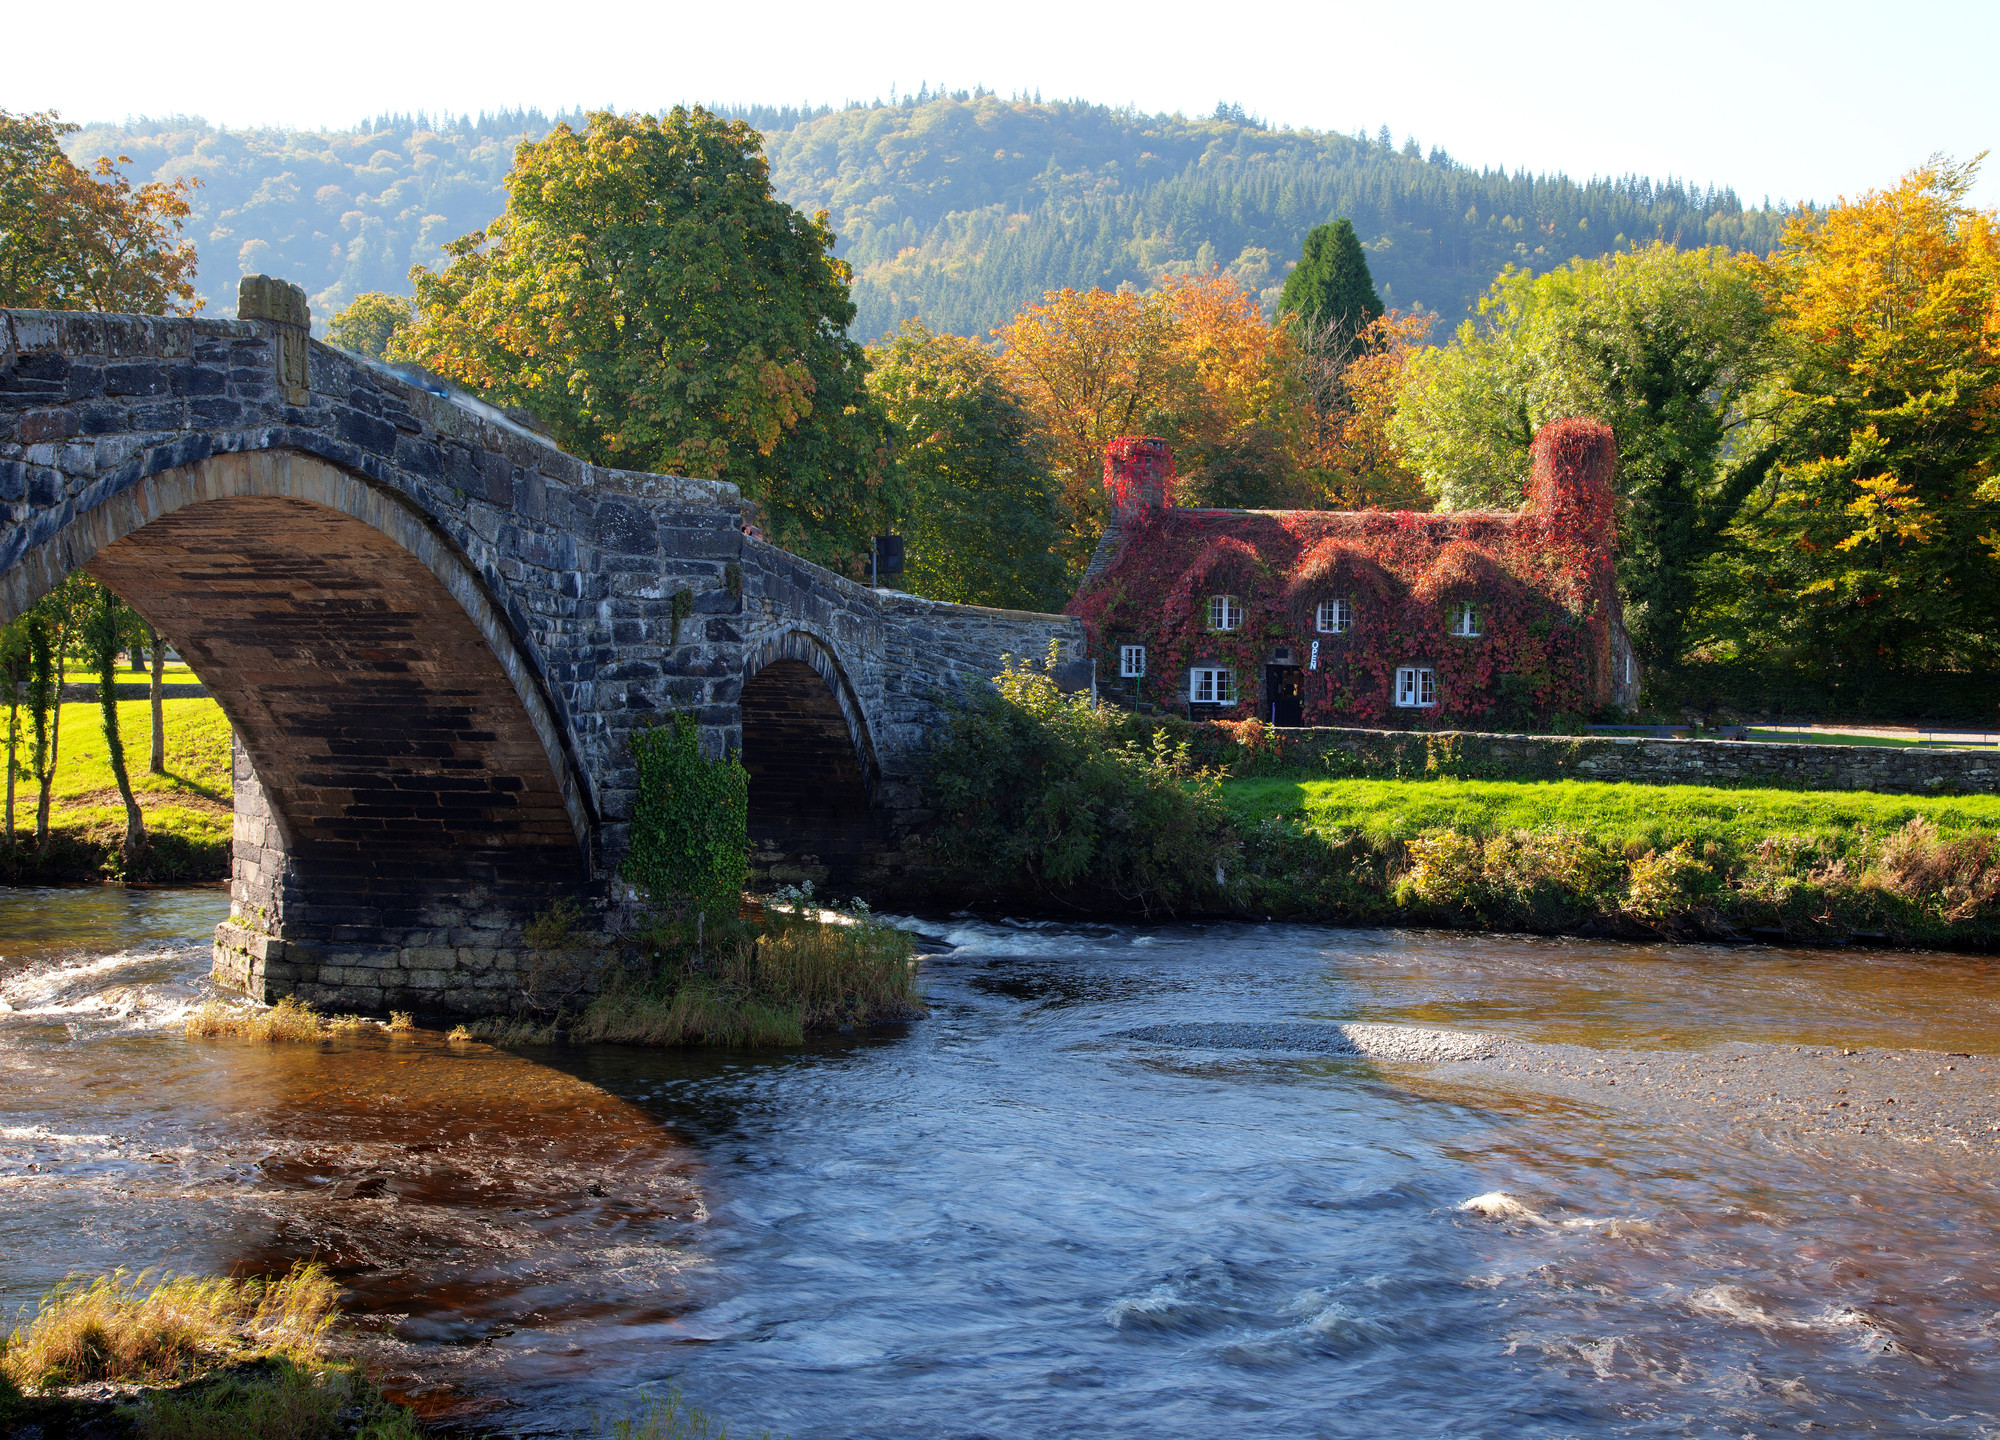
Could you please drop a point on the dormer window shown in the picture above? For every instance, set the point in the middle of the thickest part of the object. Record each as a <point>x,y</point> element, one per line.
<point>1336,617</point>
<point>1224,612</point>
<point>1465,620</point>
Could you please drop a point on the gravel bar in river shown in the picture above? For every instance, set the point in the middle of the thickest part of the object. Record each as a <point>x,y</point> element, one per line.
<point>1910,1096</point>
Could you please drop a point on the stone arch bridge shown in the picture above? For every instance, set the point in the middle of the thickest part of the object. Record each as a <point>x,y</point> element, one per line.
<point>434,632</point>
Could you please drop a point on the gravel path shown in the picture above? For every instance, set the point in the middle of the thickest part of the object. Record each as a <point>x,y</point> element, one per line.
<point>1910,1097</point>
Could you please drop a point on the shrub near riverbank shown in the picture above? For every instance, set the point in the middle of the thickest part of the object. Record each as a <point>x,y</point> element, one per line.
<point>1053,803</point>
<point>761,984</point>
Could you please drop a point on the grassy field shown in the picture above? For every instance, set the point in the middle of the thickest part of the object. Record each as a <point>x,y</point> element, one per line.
<point>175,673</point>
<point>1647,816</point>
<point>1600,858</point>
<point>188,807</point>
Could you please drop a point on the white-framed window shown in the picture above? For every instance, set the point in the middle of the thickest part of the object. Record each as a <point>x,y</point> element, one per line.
<point>1224,612</point>
<point>1212,685</point>
<point>1131,661</point>
<point>1416,686</point>
<point>1336,617</point>
<point>1465,619</point>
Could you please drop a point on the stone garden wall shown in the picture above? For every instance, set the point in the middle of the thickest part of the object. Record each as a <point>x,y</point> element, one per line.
<point>1634,759</point>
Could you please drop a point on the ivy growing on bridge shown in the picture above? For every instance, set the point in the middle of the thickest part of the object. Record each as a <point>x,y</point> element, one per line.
<point>690,829</point>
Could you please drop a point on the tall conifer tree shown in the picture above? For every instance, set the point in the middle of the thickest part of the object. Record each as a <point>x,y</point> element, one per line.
<point>1332,282</point>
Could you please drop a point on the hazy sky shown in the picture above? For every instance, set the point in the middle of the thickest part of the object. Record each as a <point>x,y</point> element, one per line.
<point>1792,100</point>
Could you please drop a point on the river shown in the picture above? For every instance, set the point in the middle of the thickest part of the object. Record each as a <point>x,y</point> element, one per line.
<point>1011,1219</point>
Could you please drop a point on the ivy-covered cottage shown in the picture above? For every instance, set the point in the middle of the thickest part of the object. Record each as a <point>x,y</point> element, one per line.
<point>1462,619</point>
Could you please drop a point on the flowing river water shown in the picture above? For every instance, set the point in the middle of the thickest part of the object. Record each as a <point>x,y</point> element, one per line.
<point>1017,1218</point>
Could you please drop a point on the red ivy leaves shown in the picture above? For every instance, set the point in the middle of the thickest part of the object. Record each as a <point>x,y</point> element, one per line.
<point>1541,580</point>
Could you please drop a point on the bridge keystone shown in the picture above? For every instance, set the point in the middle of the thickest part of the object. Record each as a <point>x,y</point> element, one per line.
<point>283,305</point>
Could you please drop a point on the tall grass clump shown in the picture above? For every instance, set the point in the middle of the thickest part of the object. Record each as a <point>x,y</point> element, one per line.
<point>127,1328</point>
<point>277,1400</point>
<point>1048,794</point>
<point>290,1021</point>
<point>746,985</point>
<point>211,1358</point>
<point>662,1417</point>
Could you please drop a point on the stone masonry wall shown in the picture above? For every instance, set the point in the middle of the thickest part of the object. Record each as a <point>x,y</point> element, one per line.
<point>1633,759</point>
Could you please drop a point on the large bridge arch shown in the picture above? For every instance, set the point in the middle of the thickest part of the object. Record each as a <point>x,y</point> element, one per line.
<point>812,764</point>
<point>408,787</point>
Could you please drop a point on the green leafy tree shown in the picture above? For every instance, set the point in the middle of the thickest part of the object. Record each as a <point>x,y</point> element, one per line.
<point>983,526</point>
<point>77,239</point>
<point>647,296</point>
<point>14,672</point>
<point>53,625</point>
<point>369,323</point>
<point>1672,349</point>
<point>1331,284</point>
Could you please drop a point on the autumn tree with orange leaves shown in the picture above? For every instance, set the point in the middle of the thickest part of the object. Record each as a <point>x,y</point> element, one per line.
<point>77,239</point>
<point>1349,383</point>
<point>1260,415</point>
<point>1876,544</point>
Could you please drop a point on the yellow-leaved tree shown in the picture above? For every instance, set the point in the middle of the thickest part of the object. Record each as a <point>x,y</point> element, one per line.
<point>1876,543</point>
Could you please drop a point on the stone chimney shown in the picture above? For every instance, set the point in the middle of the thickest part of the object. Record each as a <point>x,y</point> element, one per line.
<point>1138,476</point>
<point>1569,488</point>
<point>281,305</point>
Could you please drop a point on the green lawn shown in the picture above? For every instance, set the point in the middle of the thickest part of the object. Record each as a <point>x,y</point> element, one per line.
<point>1653,816</point>
<point>175,673</point>
<point>190,803</point>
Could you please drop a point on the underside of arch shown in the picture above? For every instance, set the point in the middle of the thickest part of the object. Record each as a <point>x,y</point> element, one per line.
<point>383,728</point>
<point>412,805</point>
<point>811,767</point>
<point>315,605</point>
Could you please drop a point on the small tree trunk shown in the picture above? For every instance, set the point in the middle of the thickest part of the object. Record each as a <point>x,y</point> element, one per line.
<point>103,637</point>
<point>45,714</point>
<point>157,644</point>
<point>13,748</point>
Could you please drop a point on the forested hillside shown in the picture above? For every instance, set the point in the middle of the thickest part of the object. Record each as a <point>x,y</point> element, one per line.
<point>956,207</point>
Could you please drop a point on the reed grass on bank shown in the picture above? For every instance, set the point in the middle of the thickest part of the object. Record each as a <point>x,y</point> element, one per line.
<point>215,1359</point>
<point>767,989</point>
<point>662,1417</point>
<point>291,1021</point>
<point>739,985</point>
<point>131,1329</point>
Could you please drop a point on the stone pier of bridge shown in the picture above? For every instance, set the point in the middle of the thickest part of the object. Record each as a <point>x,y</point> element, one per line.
<point>434,633</point>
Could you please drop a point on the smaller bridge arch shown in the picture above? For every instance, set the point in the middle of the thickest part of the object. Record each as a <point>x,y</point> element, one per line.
<point>812,764</point>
